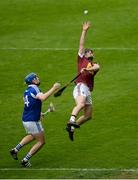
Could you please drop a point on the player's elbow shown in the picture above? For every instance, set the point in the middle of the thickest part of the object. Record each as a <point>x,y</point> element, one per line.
<point>97,67</point>
<point>40,96</point>
<point>43,98</point>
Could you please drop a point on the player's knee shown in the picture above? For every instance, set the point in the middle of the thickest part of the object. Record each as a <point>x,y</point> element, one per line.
<point>42,143</point>
<point>88,117</point>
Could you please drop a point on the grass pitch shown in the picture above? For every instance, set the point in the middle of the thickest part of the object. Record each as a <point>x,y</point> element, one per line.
<point>27,29</point>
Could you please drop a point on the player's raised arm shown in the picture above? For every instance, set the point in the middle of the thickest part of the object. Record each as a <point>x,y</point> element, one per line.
<point>44,96</point>
<point>85,28</point>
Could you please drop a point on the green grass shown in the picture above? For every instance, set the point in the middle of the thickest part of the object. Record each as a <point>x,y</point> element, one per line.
<point>107,141</point>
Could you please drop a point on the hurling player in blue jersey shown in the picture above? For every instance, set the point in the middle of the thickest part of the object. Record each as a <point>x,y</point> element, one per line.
<point>33,98</point>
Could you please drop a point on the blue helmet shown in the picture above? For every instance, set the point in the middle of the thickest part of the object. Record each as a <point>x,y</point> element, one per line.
<point>29,78</point>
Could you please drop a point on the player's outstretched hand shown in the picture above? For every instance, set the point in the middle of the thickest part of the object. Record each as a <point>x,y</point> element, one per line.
<point>86,26</point>
<point>56,86</point>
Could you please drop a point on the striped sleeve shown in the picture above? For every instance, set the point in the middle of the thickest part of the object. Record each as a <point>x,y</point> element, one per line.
<point>34,91</point>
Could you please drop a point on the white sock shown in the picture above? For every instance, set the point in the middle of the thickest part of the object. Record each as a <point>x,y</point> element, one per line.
<point>72,119</point>
<point>18,147</point>
<point>27,157</point>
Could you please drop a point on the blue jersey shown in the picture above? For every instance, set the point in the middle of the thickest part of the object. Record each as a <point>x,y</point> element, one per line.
<point>32,106</point>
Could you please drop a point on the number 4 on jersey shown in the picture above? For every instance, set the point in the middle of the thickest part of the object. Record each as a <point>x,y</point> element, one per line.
<point>26,102</point>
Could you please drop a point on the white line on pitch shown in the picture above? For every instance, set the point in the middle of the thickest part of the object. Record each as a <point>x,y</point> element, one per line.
<point>71,49</point>
<point>68,169</point>
<point>39,49</point>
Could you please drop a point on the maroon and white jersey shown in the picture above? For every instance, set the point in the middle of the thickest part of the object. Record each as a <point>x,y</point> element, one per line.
<point>86,77</point>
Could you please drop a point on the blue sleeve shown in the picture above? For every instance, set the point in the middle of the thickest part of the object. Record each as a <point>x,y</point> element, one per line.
<point>34,91</point>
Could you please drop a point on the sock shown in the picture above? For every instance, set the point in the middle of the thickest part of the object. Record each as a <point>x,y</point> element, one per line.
<point>18,147</point>
<point>27,157</point>
<point>72,118</point>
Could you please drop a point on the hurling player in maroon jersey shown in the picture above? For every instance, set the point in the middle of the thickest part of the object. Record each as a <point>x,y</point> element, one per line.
<point>84,85</point>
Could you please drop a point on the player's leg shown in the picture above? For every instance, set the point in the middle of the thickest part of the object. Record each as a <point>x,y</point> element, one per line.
<point>27,139</point>
<point>40,138</point>
<point>38,134</point>
<point>87,109</point>
<point>87,115</point>
<point>71,125</point>
<point>83,100</point>
<point>79,94</point>
<point>36,147</point>
<point>80,104</point>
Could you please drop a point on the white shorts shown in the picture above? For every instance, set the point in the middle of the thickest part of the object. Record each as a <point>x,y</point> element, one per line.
<point>33,127</point>
<point>82,90</point>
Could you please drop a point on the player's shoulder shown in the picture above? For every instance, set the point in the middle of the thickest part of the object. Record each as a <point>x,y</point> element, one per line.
<point>80,55</point>
<point>34,89</point>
